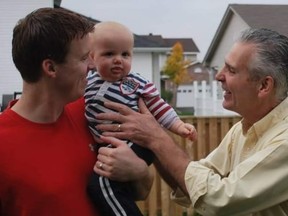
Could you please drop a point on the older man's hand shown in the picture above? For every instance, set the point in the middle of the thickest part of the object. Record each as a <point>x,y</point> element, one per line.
<point>139,127</point>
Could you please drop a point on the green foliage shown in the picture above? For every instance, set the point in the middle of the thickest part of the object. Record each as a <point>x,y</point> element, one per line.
<point>180,113</point>
<point>167,95</point>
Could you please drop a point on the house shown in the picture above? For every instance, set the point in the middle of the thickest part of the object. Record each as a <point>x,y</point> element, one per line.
<point>239,17</point>
<point>197,74</point>
<point>190,49</point>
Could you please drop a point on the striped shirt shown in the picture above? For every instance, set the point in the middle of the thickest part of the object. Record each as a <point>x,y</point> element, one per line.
<point>126,91</point>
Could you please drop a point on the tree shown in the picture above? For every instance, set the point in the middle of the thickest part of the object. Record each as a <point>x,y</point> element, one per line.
<point>176,69</point>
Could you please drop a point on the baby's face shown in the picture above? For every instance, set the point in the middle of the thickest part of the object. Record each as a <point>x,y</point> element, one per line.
<point>113,58</point>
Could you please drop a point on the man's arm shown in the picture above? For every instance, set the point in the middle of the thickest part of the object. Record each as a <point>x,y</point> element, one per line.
<point>143,129</point>
<point>171,162</point>
<point>143,186</point>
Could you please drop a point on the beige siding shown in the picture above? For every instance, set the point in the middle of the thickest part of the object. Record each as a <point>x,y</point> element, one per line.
<point>235,26</point>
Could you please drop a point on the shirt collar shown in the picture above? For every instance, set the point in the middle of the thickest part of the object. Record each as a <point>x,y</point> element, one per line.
<point>279,113</point>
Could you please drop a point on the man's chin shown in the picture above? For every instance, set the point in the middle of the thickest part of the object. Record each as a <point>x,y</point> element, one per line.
<point>227,106</point>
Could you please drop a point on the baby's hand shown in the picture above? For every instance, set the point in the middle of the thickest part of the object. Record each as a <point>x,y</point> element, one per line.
<point>188,131</point>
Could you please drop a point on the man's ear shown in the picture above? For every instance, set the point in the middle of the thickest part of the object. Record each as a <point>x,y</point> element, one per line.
<point>266,85</point>
<point>48,67</point>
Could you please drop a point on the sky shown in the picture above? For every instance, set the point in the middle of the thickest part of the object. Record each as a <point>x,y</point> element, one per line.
<point>196,19</point>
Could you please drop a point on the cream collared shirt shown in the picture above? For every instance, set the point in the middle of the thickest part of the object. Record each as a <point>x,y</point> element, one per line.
<point>247,174</point>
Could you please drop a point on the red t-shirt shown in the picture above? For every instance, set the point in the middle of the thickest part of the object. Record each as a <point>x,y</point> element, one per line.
<point>44,168</point>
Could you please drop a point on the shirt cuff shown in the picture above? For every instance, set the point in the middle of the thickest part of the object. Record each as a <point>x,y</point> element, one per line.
<point>179,197</point>
<point>196,177</point>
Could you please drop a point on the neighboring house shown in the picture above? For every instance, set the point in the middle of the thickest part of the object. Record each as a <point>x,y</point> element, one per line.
<point>239,17</point>
<point>190,50</point>
<point>198,74</point>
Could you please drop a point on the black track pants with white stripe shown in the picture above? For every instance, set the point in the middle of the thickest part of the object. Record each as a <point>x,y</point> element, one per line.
<point>112,198</point>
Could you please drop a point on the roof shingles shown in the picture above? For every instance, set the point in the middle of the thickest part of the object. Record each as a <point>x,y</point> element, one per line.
<point>273,17</point>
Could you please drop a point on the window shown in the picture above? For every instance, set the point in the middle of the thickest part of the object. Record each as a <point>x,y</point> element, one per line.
<point>198,70</point>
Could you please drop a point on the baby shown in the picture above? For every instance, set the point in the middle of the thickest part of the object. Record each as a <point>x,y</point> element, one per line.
<point>114,81</point>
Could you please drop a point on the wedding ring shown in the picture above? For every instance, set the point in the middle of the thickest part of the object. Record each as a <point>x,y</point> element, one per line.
<point>101,165</point>
<point>119,127</point>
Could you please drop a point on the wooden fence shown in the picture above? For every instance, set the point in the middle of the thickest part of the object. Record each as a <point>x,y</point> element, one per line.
<point>211,131</point>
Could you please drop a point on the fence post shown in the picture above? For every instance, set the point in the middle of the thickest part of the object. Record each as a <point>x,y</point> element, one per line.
<point>214,90</point>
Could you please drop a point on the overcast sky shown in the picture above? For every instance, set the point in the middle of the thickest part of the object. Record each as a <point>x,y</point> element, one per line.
<point>196,19</point>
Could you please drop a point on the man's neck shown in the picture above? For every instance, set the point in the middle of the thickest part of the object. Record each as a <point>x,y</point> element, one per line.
<point>38,108</point>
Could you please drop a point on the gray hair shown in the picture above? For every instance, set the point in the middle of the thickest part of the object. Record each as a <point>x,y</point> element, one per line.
<point>271,57</point>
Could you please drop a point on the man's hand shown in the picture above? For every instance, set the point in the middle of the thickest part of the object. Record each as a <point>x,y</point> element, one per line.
<point>140,128</point>
<point>120,163</point>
